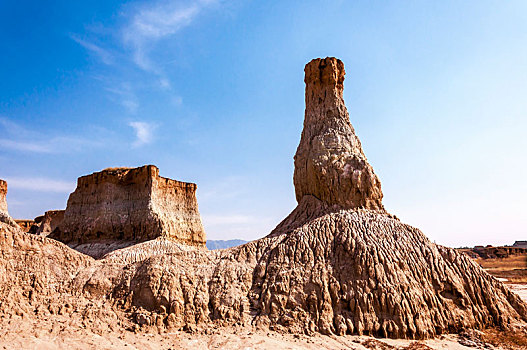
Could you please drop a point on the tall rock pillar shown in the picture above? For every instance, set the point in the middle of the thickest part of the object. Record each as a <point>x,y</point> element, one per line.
<point>329,162</point>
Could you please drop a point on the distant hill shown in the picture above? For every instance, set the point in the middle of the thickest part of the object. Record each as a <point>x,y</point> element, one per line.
<point>220,244</point>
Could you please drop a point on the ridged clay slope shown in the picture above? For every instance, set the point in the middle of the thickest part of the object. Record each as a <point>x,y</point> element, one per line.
<point>131,205</point>
<point>337,264</point>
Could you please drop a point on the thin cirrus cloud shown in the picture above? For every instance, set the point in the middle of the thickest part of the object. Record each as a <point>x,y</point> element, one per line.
<point>16,137</point>
<point>126,95</point>
<point>53,145</point>
<point>104,55</point>
<point>26,146</point>
<point>145,25</point>
<point>144,133</point>
<point>40,184</point>
<point>151,23</point>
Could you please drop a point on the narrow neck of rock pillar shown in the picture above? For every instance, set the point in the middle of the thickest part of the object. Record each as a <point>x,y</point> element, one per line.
<point>324,78</point>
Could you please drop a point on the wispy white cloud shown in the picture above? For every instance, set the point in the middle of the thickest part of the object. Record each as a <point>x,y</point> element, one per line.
<point>176,100</point>
<point>164,83</point>
<point>104,55</point>
<point>19,138</point>
<point>144,133</point>
<point>40,184</point>
<point>126,96</point>
<point>153,22</point>
<point>26,146</point>
<point>136,42</point>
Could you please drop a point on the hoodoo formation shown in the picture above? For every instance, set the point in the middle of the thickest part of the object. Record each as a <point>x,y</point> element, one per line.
<point>343,265</point>
<point>338,263</point>
<point>329,162</point>
<point>131,204</point>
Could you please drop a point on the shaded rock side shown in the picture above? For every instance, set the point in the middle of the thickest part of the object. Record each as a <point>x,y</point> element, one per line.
<point>131,205</point>
<point>329,162</point>
<point>26,225</point>
<point>49,222</point>
<point>34,271</point>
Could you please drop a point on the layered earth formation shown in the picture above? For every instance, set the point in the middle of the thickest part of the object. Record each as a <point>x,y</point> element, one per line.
<point>49,222</point>
<point>131,205</point>
<point>338,264</point>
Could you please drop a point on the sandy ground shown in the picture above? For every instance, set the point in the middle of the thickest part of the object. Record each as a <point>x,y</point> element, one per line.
<point>520,289</point>
<point>222,340</point>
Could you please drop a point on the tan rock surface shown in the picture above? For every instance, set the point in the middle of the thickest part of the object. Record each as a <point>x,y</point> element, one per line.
<point>25,224</point>
<point>4,214</point>
<point>329,162</point>
<point>51,220</point>
<point>3,196</point>
<point>131,205</point>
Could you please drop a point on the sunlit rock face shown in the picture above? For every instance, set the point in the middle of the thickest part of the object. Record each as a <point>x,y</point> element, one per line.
<point>131,204</point>
<point>4,214</point>
<point>3,194</point>
<point>329,162</point>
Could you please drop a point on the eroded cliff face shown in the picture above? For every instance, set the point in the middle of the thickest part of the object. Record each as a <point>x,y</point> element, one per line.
<point>131,205</point>
<point>329,162</point>
<point>49,222</point>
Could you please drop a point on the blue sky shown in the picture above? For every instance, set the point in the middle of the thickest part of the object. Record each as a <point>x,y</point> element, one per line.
<point>212,92</point>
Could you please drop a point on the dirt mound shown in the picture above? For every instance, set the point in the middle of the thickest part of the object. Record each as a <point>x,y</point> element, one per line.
<point>332,266</point>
